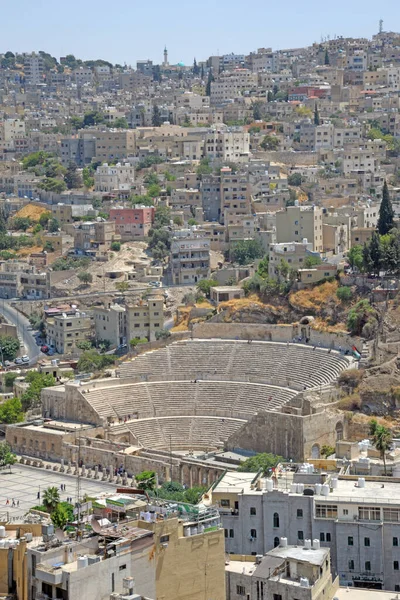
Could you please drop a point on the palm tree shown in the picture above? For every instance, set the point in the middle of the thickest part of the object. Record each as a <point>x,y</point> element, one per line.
<point>381,438</point>
<point>51,498</point>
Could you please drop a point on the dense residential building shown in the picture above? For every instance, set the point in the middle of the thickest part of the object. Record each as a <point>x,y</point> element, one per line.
<point>65,331</point>
<point>299,224</point>
<point>132,223</point>
<point>189,258</point>
<point>114,178</point>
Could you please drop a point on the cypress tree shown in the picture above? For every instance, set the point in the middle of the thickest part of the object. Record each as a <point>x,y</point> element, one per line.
<point>327,61</point>
<point>386,214</point>
<point>375,251</point>
<point>209,81</point>
<point>317,120</point>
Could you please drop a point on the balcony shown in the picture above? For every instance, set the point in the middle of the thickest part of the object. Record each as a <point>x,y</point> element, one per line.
<point>49,574</point>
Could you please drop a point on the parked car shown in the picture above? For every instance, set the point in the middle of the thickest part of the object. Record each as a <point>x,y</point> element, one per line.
<point>18,361</point>
<point>25,358</point>
<point>44,348</point>
<point>7,363</point>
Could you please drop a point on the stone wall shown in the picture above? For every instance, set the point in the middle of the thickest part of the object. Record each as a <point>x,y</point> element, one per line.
<point>290,158</point>
<point>275,333</point>
<point>291,436</point>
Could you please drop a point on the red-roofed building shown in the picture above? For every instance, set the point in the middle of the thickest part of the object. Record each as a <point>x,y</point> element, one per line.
<point>132,223</point>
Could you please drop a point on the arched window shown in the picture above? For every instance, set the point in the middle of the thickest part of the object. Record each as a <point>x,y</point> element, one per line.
<point>276,520</point>
<point>276,542</point>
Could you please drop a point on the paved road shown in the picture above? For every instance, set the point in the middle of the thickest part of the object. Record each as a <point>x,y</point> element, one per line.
<point>22,323</point>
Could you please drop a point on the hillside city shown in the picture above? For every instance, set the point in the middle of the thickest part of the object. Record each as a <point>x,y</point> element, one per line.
<point>200,325</point>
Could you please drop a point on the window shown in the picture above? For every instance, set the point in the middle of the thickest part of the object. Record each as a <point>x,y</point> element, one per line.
<point>367,565</point>
<point>165,538</point>
<point>299,513</point>
<point>345,511</point>
<point>395,541</point>
<point>253,533</point>
<point>396,565</point>
<point>326,511</point>
<point>231,533</point>
<point>397,587</point>
<point>253,510</point>
<point>276,520</point>
<point>369,513</point>
<point>226,533</point>
<point>391,514</point>
<point>367,541</point>
<point>300,535</point>
<point>240,590</point>
<point>122,567</point>
<point>350,541</point>
<point>328,537</point>
<point>351,565</point>
<point>276,542</point>
<point>277,597</point>
<point>225,502</point>
<point>321,537</point>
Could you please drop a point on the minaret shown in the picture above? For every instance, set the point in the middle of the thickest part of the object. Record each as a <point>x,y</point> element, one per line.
<point>165,63</point>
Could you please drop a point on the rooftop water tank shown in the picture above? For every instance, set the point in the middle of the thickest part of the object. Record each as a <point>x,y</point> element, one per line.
<point>283,542</point>
<point>269,485</point>
<point>2,531</point>
<point>361,482</point>
<point>318,487</point>
<point>316,544</point>
<point>334,483</point>
<point>325,490</point>
<point>307,544</point>
<point>293,488</point>
<point>300,488</point>
<point>82,562</point>
<point>304,582</point>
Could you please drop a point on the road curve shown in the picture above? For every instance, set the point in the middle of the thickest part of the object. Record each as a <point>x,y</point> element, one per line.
<point>22,323</point>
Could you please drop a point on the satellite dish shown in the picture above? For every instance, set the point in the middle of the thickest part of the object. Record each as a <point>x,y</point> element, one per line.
<point>95,525</point>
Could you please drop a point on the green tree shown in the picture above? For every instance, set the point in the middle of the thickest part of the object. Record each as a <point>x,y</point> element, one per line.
<point>326,58</point>
<point>37,381</point>
<point>344,294</point>
<point>85,277</point>
<point>163,334</point>
<point>51,184</point>
<point>295,179</point>
<point>263,461</point>
<point>381,439</point>
<point>146,480</point>
<point>162,217</point>
<point>88,179</point>
<point>51,497</point>
<point>122,286</point>
<point>9,346</point>
<point>72,178</point>
<point>136,341</point>
<point>204,286</point>
<point>21,223</point>
<point>44,219</point>
<point>327,450</point>
<point>156,118</point>
<point>311,261</point>
<point>362,316</point>
<point>210,79</point>
<point>9,379</point>
<point>386,214</point>
<point>317,120</point>
<point>92,118</point>
<point>270,142</point>
<point>7,458</point>
<point>154,190</point>
<point>116,246</point>
<point>355,257</point>
<point>84,345</point>
<point>375,252</point>
<point>121,123</point>
<point>92,361</point>
<point>59,516</point>
<point>11,411</point>
<point>204,167</point>
<point>246,251</point>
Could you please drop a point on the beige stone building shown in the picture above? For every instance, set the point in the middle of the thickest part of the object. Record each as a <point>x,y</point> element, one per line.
<point>298,223</point>
<point>64,331</point>
<point>114,178</point>
<point>293,254</point>
<point>189,258</point>
<point>227,144</point>
<point>114,143</point>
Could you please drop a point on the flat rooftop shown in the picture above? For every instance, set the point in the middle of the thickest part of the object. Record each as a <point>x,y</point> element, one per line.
<point>374,491</point>
<point>363,594</point>
<point>300,553</point>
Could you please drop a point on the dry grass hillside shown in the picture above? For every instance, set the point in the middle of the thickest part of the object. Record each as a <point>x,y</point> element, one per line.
<point>31,211</point>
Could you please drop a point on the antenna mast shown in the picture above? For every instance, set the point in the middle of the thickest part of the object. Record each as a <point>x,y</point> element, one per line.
<point>380,25</point>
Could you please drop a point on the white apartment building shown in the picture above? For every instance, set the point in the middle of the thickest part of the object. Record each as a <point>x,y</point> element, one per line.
<point>227,144</point>
<point>33,69</point>
<point>189,258</point>
<point>119,177</point>
<point>231,84</point>
<point>358,520</point>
